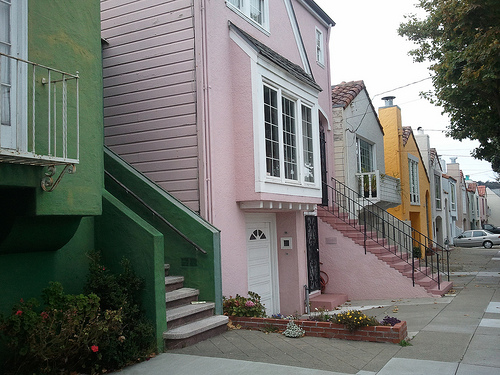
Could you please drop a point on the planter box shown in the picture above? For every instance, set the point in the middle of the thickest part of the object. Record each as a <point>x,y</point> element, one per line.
<point>394,334</point>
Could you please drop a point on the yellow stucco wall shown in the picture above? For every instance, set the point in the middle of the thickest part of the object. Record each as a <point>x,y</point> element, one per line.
<point>396,165</point>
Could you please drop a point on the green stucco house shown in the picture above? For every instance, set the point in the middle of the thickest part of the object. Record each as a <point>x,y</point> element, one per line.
<point>62,194</point>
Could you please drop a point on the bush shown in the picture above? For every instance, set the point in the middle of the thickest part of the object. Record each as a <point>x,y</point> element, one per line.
<point>65,336</point>
<point>121,292</point>
<point>101,331</point>
<point>241,306</point>
<point>389,321</point>
<point>354,319</point>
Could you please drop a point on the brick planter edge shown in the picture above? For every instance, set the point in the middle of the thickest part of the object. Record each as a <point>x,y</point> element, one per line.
<point>393,334</point>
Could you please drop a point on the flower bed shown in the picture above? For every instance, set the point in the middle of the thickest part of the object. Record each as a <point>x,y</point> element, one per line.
<point>393,334</point>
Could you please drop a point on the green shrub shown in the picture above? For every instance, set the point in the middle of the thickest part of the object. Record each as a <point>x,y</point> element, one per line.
<point>66,336</point>
<point>121,292</point>
<point>241,306</point>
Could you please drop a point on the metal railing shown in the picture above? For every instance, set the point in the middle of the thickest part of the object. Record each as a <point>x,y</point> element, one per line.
<point>394,235</point>
<point>39,112</point>
<point>154,212</point>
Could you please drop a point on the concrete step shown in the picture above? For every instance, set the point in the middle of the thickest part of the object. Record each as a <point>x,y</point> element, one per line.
<point>181,297</point>
<point>327,301</point>
<point>173,283</point>
<point>194,332</point>
<point>444,288</point>
<point>181,315</point>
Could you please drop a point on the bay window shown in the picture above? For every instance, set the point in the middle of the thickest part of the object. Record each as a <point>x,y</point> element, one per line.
<point>289,146</point>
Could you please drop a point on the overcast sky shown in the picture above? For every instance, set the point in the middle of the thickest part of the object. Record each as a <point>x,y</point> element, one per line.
<point>364,45</point>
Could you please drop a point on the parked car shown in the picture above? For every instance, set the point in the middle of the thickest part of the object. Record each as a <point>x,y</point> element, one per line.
<point>491,228</point>
<point>478,237</point>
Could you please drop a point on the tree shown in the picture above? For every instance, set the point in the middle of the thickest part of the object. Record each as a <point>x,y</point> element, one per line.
<point>461,40</point>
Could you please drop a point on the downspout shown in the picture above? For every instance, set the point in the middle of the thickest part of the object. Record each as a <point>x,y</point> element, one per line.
<point>203,106</point>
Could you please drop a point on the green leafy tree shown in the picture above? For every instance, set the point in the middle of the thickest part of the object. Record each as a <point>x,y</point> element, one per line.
<point>461,40</point>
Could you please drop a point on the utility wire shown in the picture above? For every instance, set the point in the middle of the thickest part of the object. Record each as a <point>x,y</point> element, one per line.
<point>401,87</point>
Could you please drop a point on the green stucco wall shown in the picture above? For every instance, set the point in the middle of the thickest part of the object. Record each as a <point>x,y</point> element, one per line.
<point>120,233</point>
<point>200,271</point>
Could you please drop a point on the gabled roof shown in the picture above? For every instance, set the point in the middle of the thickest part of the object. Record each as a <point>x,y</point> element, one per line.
<point>435,157</point>
<point>320,12</point>
<point>472,187</point>
<point>344,93</point>
<point>277,59</point>
<point>407,131</point>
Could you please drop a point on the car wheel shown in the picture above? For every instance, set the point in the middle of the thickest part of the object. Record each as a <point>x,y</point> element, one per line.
<point>488,244</point>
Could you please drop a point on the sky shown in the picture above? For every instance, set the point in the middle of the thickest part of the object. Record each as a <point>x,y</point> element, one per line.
<point>365,45</point>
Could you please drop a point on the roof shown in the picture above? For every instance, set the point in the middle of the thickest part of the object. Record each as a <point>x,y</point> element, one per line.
<point>320,12</point>
<point>447,176</point>
<point>407,131</point>
<point>435,157</point>
<point>472,186</point>
<point>277,59</point>
<point>344,93</point>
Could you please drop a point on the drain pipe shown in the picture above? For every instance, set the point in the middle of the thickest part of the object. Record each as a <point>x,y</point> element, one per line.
<point>308,308</point>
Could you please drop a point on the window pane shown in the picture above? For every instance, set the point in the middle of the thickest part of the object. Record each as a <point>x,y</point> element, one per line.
<point>365,156</point>
<point>256,7</point>
<point>289,139</point>
<point>271,132</point>
<point>236,3</point>
<point>5,78</point>
<point>307,144</point>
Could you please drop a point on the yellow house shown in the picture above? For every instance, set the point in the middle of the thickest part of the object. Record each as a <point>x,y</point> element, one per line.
<point>403,161</point>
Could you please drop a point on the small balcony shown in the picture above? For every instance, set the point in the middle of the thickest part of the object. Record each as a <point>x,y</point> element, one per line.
<point>39,113</point>
<point>379,188</point>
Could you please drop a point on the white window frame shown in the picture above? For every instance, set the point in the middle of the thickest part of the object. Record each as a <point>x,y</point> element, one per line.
<point>437,191</point>
<point>15,135</point>
<point>243,8</point>
<point>371,152</point>
<point>453,194</point>
<point>320,47</point>
<point>303,172</point>
<point>414,185</point>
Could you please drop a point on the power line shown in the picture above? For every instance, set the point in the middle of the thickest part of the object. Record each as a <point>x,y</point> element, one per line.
<point>401,87</point>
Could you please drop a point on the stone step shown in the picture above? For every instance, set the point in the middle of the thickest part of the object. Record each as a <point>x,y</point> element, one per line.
<point>194,332</point>
<point>181,297</point>
<point>181,315</point>
<point>445,288</point>
<point>173,283</point>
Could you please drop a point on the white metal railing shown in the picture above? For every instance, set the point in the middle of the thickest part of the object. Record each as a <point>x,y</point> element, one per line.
<point>368,184</point>
<point>44,127</point>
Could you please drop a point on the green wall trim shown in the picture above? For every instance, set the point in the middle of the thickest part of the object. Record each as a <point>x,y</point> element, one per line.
<point>120,233</point>
<point>200,271</point>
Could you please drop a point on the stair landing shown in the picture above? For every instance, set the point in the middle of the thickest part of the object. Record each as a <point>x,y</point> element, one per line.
<point>327,301</point>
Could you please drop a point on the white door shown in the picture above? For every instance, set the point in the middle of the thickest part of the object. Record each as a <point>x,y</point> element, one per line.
<point>262,263</point>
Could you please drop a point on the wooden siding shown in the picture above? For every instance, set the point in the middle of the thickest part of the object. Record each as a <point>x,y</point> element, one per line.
<point>150,91</point>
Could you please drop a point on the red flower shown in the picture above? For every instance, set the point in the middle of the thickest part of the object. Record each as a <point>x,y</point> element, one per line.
<point>19,312</point>
<point>44,315</point>
<point>94,348</point>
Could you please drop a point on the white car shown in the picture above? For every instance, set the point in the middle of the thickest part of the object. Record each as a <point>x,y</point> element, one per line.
<point>477,237</point>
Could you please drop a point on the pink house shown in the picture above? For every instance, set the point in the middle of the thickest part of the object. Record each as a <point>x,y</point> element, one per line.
<point>226,105</point>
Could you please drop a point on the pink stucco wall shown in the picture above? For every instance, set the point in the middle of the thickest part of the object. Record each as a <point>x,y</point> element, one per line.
<point>228,125</point>
<point>361,276</point>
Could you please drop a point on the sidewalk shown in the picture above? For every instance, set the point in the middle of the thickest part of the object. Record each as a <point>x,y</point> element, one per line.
<point>457,334</point>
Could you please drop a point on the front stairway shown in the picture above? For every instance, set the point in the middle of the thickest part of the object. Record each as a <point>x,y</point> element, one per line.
<point>402,262</point>
<point>188,320</point>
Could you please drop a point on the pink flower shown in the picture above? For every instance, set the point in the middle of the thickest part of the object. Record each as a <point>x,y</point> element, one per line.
<point>94,348</point>
<point>249,304</point>
<point>19,312</point>
<point>44,315</point>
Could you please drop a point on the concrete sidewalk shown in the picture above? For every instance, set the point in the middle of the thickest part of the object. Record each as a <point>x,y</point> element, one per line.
<point>457,334</point>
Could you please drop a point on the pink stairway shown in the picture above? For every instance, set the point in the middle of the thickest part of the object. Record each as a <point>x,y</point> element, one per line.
<point>387,255</point>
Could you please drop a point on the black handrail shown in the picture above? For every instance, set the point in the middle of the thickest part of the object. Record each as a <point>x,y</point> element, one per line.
<point>388,231</point>
<point>155,213</point>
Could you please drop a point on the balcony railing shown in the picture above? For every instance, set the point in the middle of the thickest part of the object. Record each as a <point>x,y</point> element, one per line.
<point>375,187</point>
<point>39,112</point>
